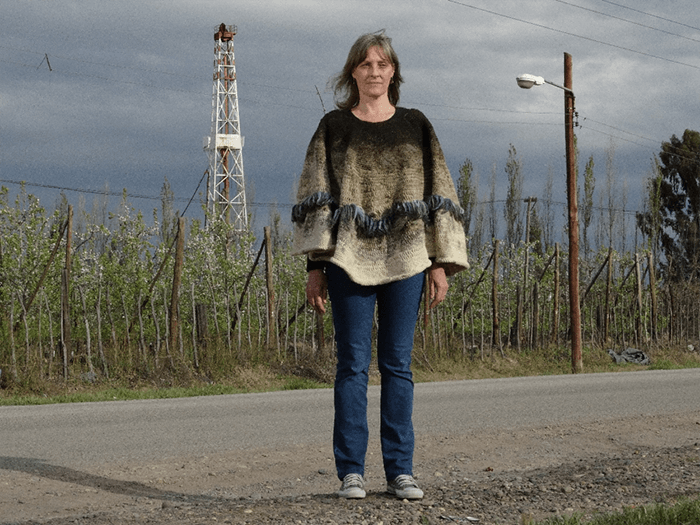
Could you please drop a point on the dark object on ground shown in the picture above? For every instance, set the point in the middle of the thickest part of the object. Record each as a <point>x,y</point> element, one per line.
<point>630,355</point>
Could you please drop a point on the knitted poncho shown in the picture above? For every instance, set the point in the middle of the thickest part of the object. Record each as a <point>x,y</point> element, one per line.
<point>377,199</point>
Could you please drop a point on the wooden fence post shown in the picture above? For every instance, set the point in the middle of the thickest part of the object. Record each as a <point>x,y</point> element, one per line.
<point>495,325</point>
<point>65,294</point>
<point>320,334</point>
<point>516,328</point>
<point>640,303</point>
<point>555,305</point>
<point>593,281</point>
<point>245,287</point>
<point>608,293</point>
<point>652,288</point>
<point>426,310</point>
<point>535,313</point>
<point>202,321</point>
<point>177,277</point>
<point>40,283</point>
<point>271,318</point>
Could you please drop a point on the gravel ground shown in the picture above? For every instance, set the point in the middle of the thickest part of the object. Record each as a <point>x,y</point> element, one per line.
<point>503,478</point>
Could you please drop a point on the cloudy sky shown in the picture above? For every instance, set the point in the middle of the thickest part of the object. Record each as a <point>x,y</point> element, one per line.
<point>118,94</point>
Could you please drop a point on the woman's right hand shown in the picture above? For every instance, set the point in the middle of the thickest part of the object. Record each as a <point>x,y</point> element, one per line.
<point>317,290</point>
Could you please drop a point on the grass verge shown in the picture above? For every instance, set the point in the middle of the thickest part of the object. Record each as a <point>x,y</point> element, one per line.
<point>315,372</point>
<point>683,512</point>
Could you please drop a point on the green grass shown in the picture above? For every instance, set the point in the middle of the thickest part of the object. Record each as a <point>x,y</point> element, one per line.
<point>301,383</point>
<point>668,364</point>
<point>120,394</point>
<point>247,381</point>
<point>318,373</point>
<point>683,512</point>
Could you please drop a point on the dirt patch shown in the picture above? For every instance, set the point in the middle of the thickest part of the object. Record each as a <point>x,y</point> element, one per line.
<point>495,477</point>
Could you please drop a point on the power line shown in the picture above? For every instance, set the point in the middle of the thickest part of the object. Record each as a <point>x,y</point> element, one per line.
<point>127,194</point>
<point>86,190</point>
<point>626,20</point>
<point>271,204</point>
<point>652,15</point>
<point>160,87</point>
<point>587,119</point>
<point>69,73</point>
<point>473,121</point>
<point>669,147</point>
<point>136,68</point>
<point>582,37</point>
<point>133,68</point>
<point>495,110</point>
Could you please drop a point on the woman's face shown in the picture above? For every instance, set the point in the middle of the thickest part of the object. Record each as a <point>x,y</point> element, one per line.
<point>373,75</point>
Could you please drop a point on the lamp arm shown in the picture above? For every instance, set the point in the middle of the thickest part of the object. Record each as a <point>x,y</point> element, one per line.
<point>560,87</point>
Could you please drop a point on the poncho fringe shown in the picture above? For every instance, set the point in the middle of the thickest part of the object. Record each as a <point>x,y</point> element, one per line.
<point>371,227</point>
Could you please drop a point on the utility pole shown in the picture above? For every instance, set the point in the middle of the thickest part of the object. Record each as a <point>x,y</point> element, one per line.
<point>526,82</point>
<point>574,305</point>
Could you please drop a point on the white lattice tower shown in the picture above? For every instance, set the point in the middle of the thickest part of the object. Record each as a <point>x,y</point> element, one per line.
<point>226,193</point>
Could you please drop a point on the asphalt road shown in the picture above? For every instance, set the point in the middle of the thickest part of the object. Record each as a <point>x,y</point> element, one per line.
<point>92,433</point>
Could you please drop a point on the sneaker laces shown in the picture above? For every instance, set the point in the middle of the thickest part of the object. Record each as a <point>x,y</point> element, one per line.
<point>352,480</point>
<point>404,481</point>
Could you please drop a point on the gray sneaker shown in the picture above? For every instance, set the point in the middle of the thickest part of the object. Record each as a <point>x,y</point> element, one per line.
<point>353,487</point>
<point>404,487</point>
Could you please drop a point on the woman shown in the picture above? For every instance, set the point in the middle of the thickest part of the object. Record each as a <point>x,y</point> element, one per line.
<point>376,209</point>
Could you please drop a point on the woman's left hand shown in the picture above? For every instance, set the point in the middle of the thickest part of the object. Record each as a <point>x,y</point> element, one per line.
<point>317,290</point>
<point>437,285</point>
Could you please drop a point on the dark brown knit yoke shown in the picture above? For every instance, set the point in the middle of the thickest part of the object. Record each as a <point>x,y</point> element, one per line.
<point>378,172</point>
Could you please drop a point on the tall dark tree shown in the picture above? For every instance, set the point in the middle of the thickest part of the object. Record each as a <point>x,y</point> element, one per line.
<point>536,232</point>
<point>678,198</point>
<point>587,203</point>
<point>610,193</point>
<point>548,210</point>
<point>168,215</point>
<point>651,219</point>
<point>466,191</point>
<point>493,218</point>
<point>513,211</point>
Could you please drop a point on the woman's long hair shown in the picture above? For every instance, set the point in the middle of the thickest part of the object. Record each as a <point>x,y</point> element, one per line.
<point>345,91</point>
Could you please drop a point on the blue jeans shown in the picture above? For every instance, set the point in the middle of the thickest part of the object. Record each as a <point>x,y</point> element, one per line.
<point>353,315</point>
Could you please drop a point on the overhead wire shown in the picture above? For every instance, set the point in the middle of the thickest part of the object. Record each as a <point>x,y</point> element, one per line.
<point>128,194</point>
<point>651,15</point>
<point>495,110</point>
<point>626,20</point>
<point>499,122</point>
<point>568,33</point>
<point>88,190</point>
<point>588,119</point>
<point>666,145</point>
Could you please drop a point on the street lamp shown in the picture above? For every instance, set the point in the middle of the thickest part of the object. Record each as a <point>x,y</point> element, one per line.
<point>526,82</point>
